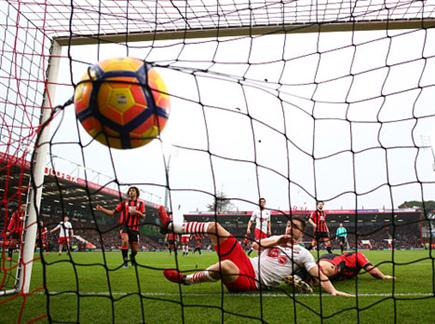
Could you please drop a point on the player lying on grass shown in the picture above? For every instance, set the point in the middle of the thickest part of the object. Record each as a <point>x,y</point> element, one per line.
<point>279,259</point>
<point>348,265</point>
<point>341,267</point>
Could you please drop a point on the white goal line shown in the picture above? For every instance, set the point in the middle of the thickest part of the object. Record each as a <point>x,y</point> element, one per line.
<point>256,295</point>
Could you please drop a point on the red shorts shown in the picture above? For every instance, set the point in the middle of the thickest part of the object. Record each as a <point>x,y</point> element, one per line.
<point>230,249</point>
<point>259,234</point>
<point>63,240</point>
<point>185,239</point>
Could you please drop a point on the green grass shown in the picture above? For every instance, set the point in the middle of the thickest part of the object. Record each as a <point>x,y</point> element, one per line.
<point>87,291</point>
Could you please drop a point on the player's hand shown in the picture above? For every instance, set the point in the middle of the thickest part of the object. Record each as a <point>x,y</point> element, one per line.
<point>98,208</point>
<point>388,277</point>
<point>284,239</point>
<point>342,293</point>
<point>248,231</point>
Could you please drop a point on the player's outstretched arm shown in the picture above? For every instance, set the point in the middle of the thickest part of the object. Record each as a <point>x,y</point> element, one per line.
<point>274,241</point>
<point>108,212</point>
<point>55,229</point>
<point>378,274</point>
<point>326,284</point>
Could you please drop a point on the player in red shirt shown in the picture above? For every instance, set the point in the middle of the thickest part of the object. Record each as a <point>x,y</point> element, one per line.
<point>198,243</point>
<point>347,266</point>
<point>42,241</point>
<point>130,212</point>
<point>321,231</point>
<point>171,241</point>
<point>15,229</point>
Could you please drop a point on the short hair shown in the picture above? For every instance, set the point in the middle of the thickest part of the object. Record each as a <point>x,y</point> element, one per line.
<point>301,221</point>
<point>135,189</point>
<point>320,201</point>
<point>260,199</point>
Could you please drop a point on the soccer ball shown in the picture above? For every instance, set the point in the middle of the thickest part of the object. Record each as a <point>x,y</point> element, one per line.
<point>122,102</point>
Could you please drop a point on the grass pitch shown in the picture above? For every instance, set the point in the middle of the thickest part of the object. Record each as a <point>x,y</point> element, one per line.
<point>94,288</point>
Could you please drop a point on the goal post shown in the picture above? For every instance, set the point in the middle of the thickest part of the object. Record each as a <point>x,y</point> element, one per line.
<point>38,163</point>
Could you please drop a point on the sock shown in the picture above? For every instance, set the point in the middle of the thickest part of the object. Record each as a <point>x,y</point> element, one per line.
<point>190,227</point>
<point>124,254</point>
<point>198,277</point>
<point>133,257</point>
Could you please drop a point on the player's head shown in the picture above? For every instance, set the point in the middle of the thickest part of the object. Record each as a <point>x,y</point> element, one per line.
<point>295,227</point>
<point>341,224</point>
<point>262,202</point>
<point>133,193</point>
<point>65,218</point>
<point>320,204</point>
<point>23,207</point>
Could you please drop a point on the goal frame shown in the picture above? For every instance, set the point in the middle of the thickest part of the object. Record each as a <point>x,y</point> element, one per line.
<point>39,157</point>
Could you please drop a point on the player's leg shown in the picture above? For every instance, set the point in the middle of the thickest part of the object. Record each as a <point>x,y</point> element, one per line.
<point>60,248</point>
<point>314,242</point>
<point>134,249</point>
<point>225,270</point>
<point>327,242</point>
<point>216,232</point>
<point>124,247</point>
<point>341,240</point>
<point>11,248</point>
<point>133,240</point>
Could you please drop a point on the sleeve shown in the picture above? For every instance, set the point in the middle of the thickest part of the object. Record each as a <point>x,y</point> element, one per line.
<point>119,207</point>
<point>312,216</point>
<point>308,260</point>
<point>253,216</point>
<point>362,260</point>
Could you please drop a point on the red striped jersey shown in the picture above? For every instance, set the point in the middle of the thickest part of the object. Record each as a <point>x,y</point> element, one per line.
<point>319,218</point>
<point>16,222</point>
<point>126,217</point>
<point>347,265</point>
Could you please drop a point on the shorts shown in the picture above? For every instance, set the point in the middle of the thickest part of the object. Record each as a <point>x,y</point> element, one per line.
<point>321,235</point>
<point>341,239</point>
<point>230,249</point>
<point>184,240</point>
<point>259,234</point>
<point>63,240</point>
<point>133,236</point>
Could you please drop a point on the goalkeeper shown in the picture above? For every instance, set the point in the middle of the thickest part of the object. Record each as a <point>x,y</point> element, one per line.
<point>281,257</point>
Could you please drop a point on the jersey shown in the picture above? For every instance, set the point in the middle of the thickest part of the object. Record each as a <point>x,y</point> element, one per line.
<point>43,235</point>
<point>274,264</point>
<point>126,217</point>
<point>261,219</point>
<point>347,265</point>
<point>65,229</point>
<point>16,222</point>
<point>341,232</point>
<point>319,218</point>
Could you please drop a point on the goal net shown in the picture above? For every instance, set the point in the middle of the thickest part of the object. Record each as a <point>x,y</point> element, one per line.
<point>295,101</point>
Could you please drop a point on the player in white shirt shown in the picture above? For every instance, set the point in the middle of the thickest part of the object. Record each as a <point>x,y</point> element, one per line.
<point>280,258</point>
<point>65,234</point>
<point>261,218</point>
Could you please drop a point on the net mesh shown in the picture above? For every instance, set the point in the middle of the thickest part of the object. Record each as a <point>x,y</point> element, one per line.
<point>292,100</point>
